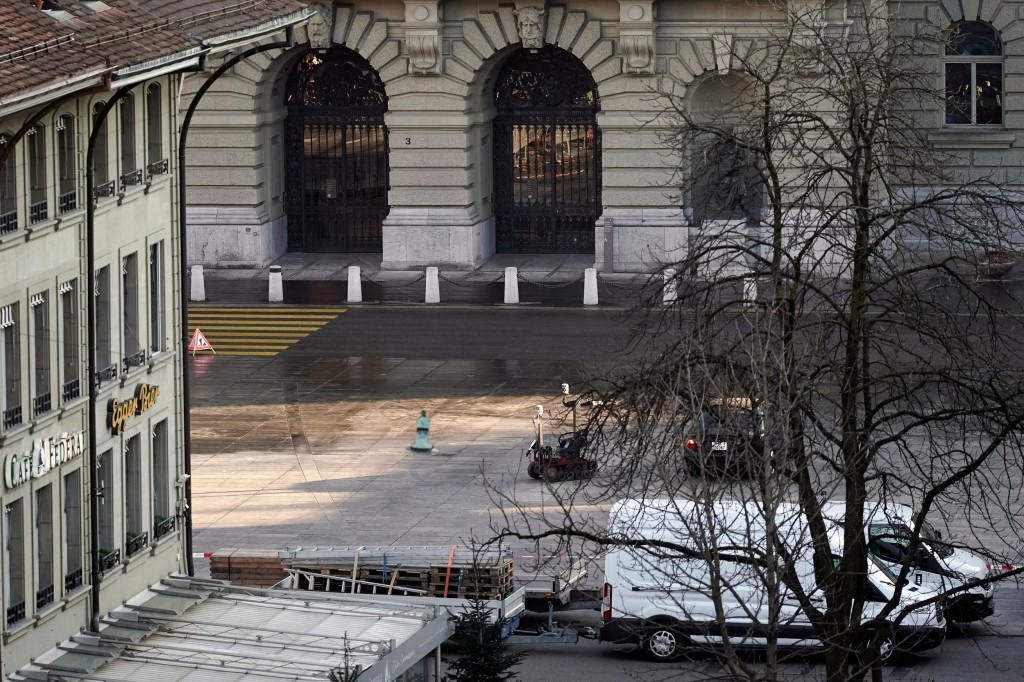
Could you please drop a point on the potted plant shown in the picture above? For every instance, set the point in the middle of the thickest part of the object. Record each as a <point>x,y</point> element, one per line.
<point>995,263</point>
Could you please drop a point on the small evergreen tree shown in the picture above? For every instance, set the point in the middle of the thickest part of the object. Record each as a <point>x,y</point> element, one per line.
<point>483,655</point>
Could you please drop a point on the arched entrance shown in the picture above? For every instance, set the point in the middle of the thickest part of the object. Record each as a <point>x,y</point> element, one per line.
<point>337,153</point>
<point>547,154</point>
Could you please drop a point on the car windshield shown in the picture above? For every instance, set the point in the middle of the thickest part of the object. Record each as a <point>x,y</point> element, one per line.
<point>934,539</point>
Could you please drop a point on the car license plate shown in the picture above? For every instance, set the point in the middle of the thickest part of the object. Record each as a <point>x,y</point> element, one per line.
<point>719,445</point>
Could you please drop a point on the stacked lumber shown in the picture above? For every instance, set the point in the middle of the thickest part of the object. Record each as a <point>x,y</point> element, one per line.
<point>433,571</point>
<point>257,567</point>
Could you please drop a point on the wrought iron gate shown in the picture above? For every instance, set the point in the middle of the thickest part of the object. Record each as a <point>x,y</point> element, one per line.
<point>337,154</point>
<point>547,154</point>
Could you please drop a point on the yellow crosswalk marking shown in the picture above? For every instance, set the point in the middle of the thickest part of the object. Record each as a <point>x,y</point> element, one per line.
<point>259,332</point>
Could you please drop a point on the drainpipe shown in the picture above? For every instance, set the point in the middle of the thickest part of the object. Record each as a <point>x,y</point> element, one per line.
<point>183,259</point>
<point>90,289</point>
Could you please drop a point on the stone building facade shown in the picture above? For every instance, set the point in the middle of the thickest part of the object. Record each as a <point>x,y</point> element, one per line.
<point>485,127</point>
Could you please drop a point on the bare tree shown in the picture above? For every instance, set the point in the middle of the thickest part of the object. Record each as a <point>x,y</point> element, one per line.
<point>837,277</point>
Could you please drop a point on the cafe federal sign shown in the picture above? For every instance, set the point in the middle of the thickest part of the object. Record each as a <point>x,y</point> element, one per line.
<point>46,454</point>
<point>121,411</point>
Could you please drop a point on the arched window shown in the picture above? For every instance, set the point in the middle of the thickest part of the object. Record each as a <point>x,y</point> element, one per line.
<point>155,162</point>
<point>103,187</point>
<point>974,75</point>
<point>130,174</point>
<point>67,172</point>
<point>8,188</point>
<point>37,174</point>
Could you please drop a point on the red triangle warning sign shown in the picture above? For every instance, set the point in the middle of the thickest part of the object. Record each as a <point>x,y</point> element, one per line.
<point>199,342</point>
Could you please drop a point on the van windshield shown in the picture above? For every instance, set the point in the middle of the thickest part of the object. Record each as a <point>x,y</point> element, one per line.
<point>934,539</point>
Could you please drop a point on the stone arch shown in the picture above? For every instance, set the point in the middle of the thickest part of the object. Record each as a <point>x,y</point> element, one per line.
<point>724,182</point>
<point>336,152</point>
<point>489,39</point>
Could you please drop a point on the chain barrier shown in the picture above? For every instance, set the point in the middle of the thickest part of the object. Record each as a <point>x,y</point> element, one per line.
<point>559,285</point>
<point>399,285</point>
<point>470,285</point>
<point>636,288</point>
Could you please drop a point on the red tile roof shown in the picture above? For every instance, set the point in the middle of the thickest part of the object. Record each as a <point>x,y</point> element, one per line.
<point>38,51</point>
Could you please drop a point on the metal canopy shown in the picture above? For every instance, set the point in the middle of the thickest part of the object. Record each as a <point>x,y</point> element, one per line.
<point>194,630</point>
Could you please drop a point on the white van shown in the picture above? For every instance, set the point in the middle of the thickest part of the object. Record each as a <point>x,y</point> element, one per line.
<point>939,564</point>
<point>664,603</point>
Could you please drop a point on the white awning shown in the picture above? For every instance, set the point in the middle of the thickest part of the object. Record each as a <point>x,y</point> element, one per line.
<point>193,630</point>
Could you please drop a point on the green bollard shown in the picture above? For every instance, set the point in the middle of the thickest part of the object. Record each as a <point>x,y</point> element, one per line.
<point>422,443</point>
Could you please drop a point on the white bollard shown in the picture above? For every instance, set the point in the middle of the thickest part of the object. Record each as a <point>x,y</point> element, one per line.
<point>590,286</point>
<point>433,293</point>
<point>669,291</point>
<point>355,285</point>
<point>276,293</point>
<point>749,291</point>
<point>198,285</point>
<point>511,285</point>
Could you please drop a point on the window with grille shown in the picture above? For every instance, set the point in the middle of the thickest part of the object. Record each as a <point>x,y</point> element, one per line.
<point>104,352</point>
<point>130,304</point>
<point>73,573</point>
<point>8,189</point>
<point>69,342</point>
<point>37,209</point>
<point>974,75</point>
<point>154,130</point>
<point>14,558</point>
<point>10,368</point>
<point>67,169</point>
<point>41,402</point>
<point>44,546</point>
<point>161,475</point>
<point>129,157</point>
<point>100,154</point>
<point>108,500</point>
<point>157,310</point>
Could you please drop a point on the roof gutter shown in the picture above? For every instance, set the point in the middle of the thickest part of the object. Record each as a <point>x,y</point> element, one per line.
<point>158,67</point>
<point>58,90</point>
<point>231,40</point>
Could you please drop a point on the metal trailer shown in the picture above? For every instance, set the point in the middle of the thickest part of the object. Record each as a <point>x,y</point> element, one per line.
<point>538,593</point>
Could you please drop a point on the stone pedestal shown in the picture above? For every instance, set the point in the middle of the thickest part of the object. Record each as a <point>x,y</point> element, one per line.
<point>456,238</point>
<point>643,239</point>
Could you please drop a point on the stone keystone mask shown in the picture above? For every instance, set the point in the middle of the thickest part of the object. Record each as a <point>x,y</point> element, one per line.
<point>530,22</point>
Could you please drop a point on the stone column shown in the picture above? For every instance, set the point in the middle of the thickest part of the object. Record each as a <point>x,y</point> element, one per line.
<point>435,189</point>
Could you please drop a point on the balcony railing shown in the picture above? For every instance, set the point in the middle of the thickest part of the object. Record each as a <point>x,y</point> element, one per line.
<point>131,179</point>
<point>106,374</point>
<point>137,359</point>
<point>44,597</point>
<point>136,543</point>
<point>41,404</point>
<point>12,417</point>
<point>70,391</point>
<point>15,613</point>
<point>107,189</point>
<point>9,222</point>
<point>37,212</point>
<point>162,527</point>
<point>67,202</point>
<point>157,168</point>
<point>108,561</point>
<point>72,581</point>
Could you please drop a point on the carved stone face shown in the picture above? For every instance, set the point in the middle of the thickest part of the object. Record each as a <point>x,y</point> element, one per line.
<point>319,28</point>
<point>530,22</point>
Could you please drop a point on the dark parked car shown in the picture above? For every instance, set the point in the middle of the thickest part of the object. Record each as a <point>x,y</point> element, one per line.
<point>726,437</point>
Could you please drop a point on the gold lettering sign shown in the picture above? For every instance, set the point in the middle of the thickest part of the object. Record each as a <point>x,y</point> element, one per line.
<point>120,411</point>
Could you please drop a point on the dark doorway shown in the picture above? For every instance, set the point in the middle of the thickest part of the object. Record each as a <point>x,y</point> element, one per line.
<point>337,153</point>
<point>547,154</point>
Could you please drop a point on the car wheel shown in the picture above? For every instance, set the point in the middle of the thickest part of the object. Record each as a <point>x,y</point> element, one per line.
<point>663,643</point>
<point>533,469</point>
<point>886,646</point>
